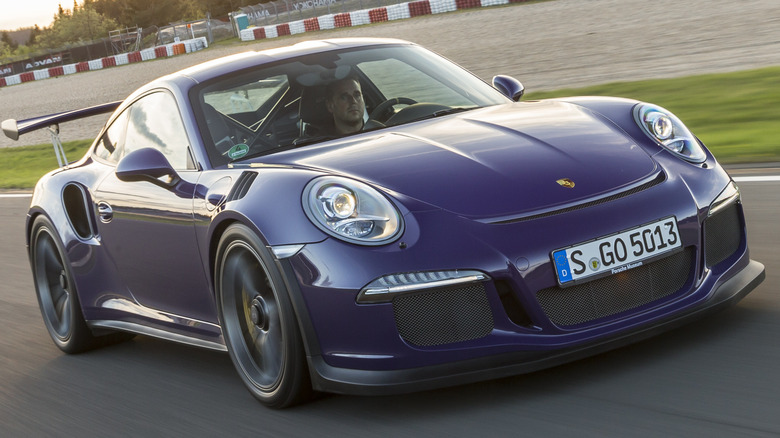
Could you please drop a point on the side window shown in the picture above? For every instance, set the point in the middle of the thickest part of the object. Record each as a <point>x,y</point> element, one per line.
<point>109,147</point>
<point>154,122</point>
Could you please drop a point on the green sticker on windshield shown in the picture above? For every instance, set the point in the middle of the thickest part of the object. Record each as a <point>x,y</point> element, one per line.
<point>238,151</point>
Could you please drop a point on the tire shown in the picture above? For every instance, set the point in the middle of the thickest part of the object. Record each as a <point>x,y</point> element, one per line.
<point>258,322</point>
<point>57,294</point>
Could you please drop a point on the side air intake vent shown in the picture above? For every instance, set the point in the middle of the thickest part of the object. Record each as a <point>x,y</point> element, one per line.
<point>77,206</point>
<point>242,186</point>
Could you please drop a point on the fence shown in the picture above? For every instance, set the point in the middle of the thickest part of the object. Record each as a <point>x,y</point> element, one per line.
<point>213,29</point>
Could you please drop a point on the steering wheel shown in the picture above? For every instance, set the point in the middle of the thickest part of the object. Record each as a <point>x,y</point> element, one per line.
<point>382,107</point>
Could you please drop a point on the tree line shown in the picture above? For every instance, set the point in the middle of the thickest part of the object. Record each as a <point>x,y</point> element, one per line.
<point>92,20</point>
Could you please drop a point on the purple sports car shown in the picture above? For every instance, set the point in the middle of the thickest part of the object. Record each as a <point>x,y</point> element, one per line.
<point>362,216</point>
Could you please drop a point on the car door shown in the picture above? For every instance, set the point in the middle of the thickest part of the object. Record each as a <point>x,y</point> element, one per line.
<point>147,225</point>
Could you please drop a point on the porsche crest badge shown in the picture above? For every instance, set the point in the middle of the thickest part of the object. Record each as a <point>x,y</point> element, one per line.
<point>566,182</point>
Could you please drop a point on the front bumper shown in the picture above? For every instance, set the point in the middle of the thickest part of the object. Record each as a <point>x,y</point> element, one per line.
<point>329,378</point>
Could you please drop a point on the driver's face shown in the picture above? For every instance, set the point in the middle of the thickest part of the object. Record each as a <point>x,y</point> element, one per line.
<point>346,104</point>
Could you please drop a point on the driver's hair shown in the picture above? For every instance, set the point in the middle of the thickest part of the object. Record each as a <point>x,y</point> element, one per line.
<point>330,88</point>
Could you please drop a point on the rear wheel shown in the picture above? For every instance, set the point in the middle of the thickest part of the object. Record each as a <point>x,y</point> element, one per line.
<point>258,321</point>
<point>57,295</point>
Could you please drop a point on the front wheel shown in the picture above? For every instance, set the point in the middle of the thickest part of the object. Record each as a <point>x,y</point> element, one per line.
<point>258,321</point>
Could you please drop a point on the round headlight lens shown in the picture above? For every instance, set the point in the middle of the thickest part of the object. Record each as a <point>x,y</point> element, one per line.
<point>662,126</point>
<point>338,202</point>
<point>351,211</point>
<point>666,129</point>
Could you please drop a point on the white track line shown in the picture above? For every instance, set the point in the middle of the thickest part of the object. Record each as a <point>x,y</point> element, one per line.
<point>769,178</point>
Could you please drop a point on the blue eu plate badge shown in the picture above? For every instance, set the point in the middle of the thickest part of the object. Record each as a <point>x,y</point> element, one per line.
<point>562,265</point>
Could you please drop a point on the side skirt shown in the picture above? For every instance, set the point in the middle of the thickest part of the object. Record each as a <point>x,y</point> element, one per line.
<point>155,333</point>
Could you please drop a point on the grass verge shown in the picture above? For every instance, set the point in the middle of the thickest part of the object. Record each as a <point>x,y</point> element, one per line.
<point>737,115</point>
<point>23,166</point>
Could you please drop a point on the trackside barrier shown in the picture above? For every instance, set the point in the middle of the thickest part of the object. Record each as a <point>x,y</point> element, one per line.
<point>377,15</point>
<point>342,20</point>
<point>122,59</point>
<point>327,21</point>
<point>419,8</point>
<point>283,29</point>
<point>13,80</point>
<point>109,61</point>
<point>297,27</point>
<point>147,54</point>
<point>399,11</point>
<point>56,71</point>
<point>40,74</point>
<point>359,18</point>
<point>311,24</point>
<point>442,6</point>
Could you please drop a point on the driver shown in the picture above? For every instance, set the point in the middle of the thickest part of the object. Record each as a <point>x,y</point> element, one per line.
<point>344,100</point>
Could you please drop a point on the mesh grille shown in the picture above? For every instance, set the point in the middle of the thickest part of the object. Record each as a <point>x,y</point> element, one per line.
<point>443,316</point>
<point>617,293</point>
<point>722,235</point>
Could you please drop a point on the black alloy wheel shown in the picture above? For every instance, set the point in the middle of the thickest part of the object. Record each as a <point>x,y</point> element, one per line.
<point>258,322</point>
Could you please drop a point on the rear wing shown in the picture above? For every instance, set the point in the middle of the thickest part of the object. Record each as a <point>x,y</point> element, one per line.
<point>13,128</point>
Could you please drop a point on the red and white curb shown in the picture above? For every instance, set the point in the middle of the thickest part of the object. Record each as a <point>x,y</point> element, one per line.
<point>367,16</point>
<point>165,51</point>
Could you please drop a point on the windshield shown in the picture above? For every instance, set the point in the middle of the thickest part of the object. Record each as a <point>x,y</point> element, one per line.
<point>327,95</point>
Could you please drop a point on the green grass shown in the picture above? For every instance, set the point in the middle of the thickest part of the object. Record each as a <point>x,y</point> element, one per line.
<point>737,115</point>
<point>22,166</point>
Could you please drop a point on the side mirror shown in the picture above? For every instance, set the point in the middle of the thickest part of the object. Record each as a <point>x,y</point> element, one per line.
<point>146,164</point>
<point>509,87</point>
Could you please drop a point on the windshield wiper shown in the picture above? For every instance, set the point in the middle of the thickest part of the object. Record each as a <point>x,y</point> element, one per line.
<point>443,112</point>
<point>452,111</point>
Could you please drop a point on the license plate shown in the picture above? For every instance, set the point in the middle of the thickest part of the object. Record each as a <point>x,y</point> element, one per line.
<point>615,253</point>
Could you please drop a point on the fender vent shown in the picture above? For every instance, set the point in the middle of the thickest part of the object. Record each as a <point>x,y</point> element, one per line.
<point>242,185</point>
<point>77,207</point>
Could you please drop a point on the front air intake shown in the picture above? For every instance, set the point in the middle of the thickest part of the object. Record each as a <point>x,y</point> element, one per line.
<point>443,316</point>
<point>617,293</point>
<point>722,234</point>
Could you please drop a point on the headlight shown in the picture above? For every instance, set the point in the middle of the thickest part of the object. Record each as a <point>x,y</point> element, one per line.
<point>665,128</point>
<point>351,211</point>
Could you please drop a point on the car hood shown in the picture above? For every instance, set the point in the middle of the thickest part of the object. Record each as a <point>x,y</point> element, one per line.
<point>493,162</point>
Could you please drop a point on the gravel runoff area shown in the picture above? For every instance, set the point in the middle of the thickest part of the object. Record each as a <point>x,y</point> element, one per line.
<point>547,45</point>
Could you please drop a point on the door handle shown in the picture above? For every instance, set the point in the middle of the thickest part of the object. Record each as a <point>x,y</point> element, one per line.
<point>105,212</point>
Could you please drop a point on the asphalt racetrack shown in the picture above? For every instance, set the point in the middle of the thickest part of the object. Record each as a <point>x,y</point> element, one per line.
<point>716,377</point>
